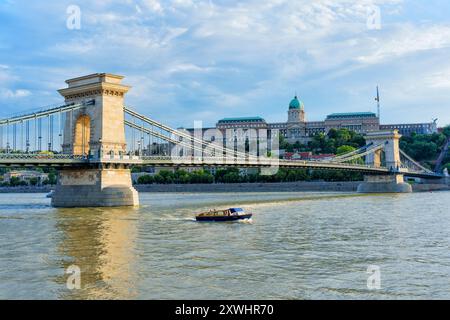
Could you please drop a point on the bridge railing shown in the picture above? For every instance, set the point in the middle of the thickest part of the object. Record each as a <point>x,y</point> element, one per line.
<point>36,156</point>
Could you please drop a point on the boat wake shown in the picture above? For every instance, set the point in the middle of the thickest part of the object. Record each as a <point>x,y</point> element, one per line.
<point>176,219</point>
<point>246,221</point>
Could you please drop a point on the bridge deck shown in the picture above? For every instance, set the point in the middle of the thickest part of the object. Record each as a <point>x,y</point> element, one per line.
<point>61,160</point>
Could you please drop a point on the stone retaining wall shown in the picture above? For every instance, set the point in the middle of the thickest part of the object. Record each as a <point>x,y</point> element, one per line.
<point>429,187</point>
<point>242,187</point>
<point>251,187</point>
<point>43,189</point>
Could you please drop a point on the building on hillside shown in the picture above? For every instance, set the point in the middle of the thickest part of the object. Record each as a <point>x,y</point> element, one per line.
<point>306,156</point>
<point>407,129</point>
<point>297,128</point>
<point>26,175</point>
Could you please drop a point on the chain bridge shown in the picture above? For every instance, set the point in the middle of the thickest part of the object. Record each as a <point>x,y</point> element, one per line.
<point>93,139</point>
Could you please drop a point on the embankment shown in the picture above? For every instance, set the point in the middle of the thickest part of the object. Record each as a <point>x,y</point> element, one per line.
<point>300,186</point>
<point>251,187</point>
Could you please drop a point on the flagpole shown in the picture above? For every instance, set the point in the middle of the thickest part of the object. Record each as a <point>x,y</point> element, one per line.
<point>378,102</point>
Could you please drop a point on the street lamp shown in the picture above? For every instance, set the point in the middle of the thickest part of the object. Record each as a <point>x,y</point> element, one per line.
<point>139,148</point>
<point>100,148</point>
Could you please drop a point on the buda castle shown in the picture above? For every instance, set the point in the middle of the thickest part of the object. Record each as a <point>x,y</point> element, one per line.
<point>296,128</point>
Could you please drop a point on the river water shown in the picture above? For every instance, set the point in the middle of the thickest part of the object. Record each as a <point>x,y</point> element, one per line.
<point>297,246</point>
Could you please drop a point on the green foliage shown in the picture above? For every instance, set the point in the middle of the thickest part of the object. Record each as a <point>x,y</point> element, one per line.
<point>344,149</point>
<point>167,176</point>
<point>159,179</point>
<point>283,144</point>
<point>287,175</point>
<point>52,178</point>
<point>14,182</point>
<point>146,179</point>
<point>34,181</point>
<point>447,157</point>
<point>446,131</point>
<point>179,176</point>
<point>136,169</point>
<point>201,177</point>
<point>447,165</point>
<point>422,147</point>
<point>229,175</point>
<point>329,143</point>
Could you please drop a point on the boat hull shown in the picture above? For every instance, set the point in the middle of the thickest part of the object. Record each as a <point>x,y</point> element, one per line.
<point>223,218</point>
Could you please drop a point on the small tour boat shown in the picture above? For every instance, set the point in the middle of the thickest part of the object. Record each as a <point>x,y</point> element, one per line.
<point>231,214</point>
<point>50,194</point>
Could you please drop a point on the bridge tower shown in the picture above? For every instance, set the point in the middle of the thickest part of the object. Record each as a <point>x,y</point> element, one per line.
<point>93,131</point>
<point>394,181</point>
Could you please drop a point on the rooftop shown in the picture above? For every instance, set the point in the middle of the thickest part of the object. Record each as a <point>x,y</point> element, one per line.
<point>296,104</point>
<point>352,115</point>
<point>242,119</point>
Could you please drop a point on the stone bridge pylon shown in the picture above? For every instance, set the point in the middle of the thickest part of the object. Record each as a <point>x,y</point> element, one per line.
<point>93,131</point>
<point>387,154</point>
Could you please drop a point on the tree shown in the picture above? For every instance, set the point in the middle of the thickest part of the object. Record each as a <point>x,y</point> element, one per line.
<point>14,181</point>
<point>167,176</point>
<point>421,150</point>
<point>201,176</point>
<point>231,177</point>
<point>230,172</point>
<point>145,179</point>
<point>184,179</point>
<point>136,169</point>
<point>283,144</point>
<point>335,138</point>
<point>182,176</point>
<point>446,131</point>
<point>34,181</point>
<point>344,149</point>
<point>447,165</point>
<point>52,178</point>
<point>158,178</point>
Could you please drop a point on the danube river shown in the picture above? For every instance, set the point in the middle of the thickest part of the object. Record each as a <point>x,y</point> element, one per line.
<point>297,246</point>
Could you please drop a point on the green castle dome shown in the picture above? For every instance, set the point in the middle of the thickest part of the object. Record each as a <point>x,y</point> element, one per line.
<point>295,103</point>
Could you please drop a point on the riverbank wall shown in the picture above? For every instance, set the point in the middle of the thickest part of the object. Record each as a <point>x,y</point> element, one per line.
<point>29,189</point>
<point>300,186</point>
<point>252,187</point>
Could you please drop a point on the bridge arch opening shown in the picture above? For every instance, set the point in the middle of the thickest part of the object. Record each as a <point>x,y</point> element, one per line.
<point>82,135</point>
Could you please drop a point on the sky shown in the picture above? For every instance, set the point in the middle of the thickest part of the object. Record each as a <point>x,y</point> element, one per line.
<point>190,60</point>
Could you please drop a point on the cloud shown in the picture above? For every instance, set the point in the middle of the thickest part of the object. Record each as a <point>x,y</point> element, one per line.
<point>14,94</point>
<point>153,5</point>
<point>439,80</point>
<point>405,40</point>
<point>235,57</point>
<point>187,67</point>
